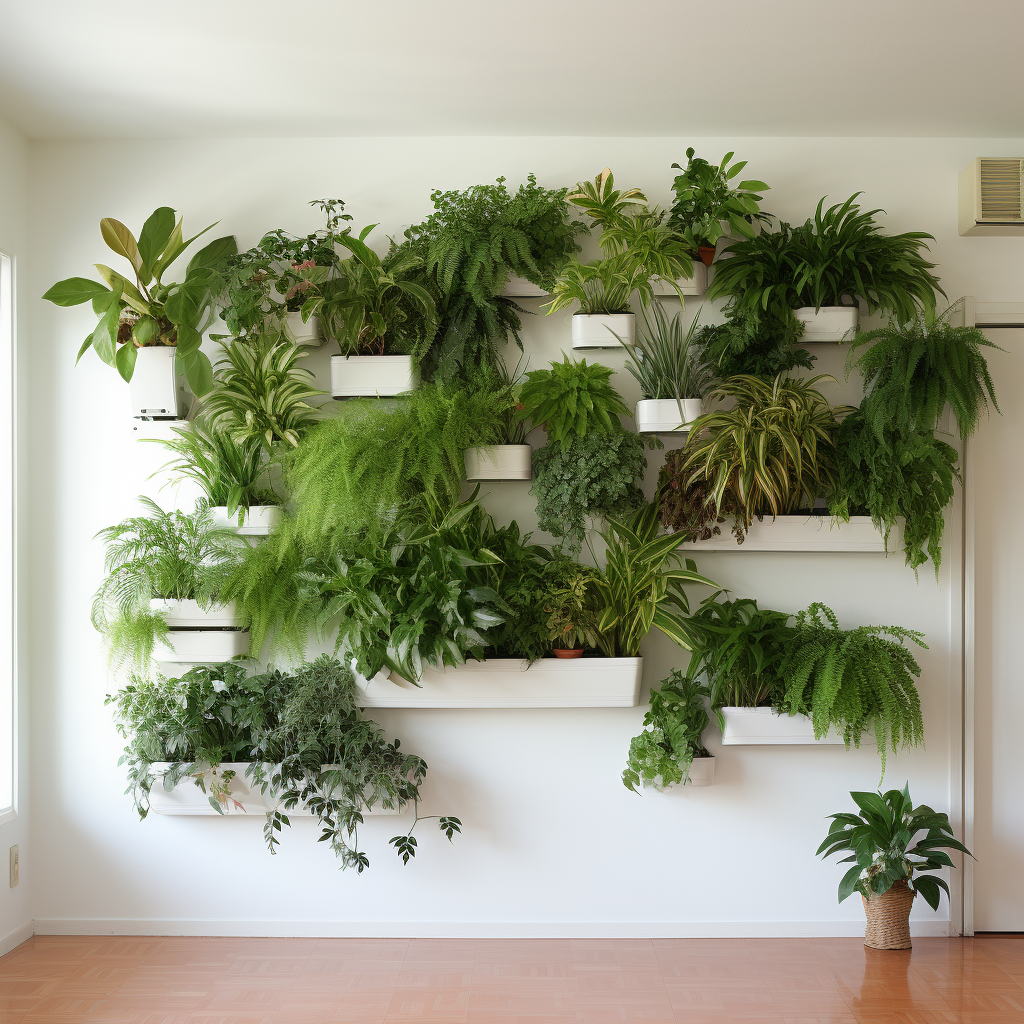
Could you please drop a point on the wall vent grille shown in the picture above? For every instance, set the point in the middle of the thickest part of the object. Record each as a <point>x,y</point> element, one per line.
<point>1001,190</point>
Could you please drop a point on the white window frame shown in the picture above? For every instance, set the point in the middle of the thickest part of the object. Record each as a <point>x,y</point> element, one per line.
<point>8,632</point>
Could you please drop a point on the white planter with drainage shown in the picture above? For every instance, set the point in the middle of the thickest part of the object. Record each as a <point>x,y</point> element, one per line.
<point>763,727</point>
<point>191,646</point>
<point>155,394</point>
<point>599,330</point>
<point>829,324</point>
<point>666,415</point>
<point>186,614</point>
<point>702,771</point>
<point>257,520</point>
<point>499,462</point>
<point>299,332</point>
<point>368,376</point>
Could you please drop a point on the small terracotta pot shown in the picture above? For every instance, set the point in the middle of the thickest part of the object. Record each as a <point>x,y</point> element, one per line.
<point>706,254</point>
<point>567,652</point>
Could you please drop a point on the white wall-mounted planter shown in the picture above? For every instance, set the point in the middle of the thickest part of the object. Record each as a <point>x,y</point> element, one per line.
<point>155,394</point>
<point>829,324</point>
<point>185,614</point>
<point>702,773</point>
<point>599,330</point>
<point>499,462</point>
<point>803,533</point>
<point>662,415</point>
<point>188,799</point>
<point>257,520</point>
<point>695,285</point>
<point>520,288</point>
<point>510,683</point>
<point>299,333</point>
<point>367,376</point>
<point>762,727</point>
<point>202,646</point>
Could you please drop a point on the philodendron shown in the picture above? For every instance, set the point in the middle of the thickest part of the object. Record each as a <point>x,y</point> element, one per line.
<point>149,313</point>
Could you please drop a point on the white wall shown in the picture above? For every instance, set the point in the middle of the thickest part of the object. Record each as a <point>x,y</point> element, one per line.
<point>15,904</point>
<point>553,843</point>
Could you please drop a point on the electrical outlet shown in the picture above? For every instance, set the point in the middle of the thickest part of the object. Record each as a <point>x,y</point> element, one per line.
<point>14,866</point>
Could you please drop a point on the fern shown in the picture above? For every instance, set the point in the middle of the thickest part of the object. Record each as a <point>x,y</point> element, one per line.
<point>753,345</point>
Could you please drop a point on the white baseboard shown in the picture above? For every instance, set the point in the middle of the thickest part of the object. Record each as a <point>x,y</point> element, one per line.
<point>15,938</point>
<point>476,929</point>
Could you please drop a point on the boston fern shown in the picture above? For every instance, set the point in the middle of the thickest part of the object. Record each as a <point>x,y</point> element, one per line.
<point>887,848</point>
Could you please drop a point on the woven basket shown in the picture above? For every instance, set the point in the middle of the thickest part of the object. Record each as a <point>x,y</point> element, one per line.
<point>889,918</point>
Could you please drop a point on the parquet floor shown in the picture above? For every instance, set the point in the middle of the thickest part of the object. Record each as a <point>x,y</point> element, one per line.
<point>485,981</point>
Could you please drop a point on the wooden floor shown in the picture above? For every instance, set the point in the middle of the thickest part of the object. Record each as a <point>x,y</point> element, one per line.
<point>306,981</point>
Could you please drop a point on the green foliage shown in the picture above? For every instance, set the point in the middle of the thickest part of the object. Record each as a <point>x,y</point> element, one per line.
<point>687,509</point>
<point>601,287</point>
<point>261,393</point>
<point>898,476</point>
<point>572,400</point>
<point>665,360</point>
<point>672,736</point>
<point>886,846</point>
<point>150,312</point>
<point>912,371</point>
<point>642,585</point>
<point>704,198</point>
<point>771,453</point>
<point>753,345</point>
<point>853,680</point>
<point>569,604</point>
<point>592,475</point>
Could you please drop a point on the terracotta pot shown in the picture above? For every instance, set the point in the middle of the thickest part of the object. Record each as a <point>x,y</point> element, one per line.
<point>567,652</point>
<point>888,917</point>
<point>706,254</point>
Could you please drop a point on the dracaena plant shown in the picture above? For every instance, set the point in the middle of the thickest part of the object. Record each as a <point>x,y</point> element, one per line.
<point>664,359</point>
<point>891,842</point>
<point>143,311</point>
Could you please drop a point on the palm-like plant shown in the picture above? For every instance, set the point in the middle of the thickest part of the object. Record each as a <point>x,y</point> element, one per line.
<point>603,203</point>
<point>665,360</point>
<point>601,287</point>
<point>642,585</point>
<point>887,848</point>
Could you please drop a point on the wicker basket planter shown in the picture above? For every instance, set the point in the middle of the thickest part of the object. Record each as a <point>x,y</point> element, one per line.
<point>888,917</point>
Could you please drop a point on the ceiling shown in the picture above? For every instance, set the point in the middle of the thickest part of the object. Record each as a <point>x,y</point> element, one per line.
<point>266,68</point>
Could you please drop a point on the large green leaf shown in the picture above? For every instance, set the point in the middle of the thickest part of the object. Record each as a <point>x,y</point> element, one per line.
<point>155,234</point>
<point>125,360</point>
<point>129,293</point>
<point>121,240</point>
<point>199,376</point>
<point>74,291</point>
<point>213,256</point>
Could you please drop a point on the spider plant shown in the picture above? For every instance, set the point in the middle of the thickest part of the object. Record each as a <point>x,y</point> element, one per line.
<point>601,287</point>
<point>772,452</point>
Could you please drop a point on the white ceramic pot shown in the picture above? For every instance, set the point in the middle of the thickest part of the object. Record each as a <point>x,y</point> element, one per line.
<point>499,462</point>
<point>519,287</point>
<point>697,284</point>
<point>155,394</point>
<point>702,771</point>
<point>202,646</point>
<point>257,520</point>
<point>510,683</point>
<point>185,614</point>
<point>805,533</point>
<point>830,323</point>
<point>186,798</point>
<point>599,330</point>
<point>763,727</point>
<point>299,333</point>
<point>662,415</point>
<point>366,376</point>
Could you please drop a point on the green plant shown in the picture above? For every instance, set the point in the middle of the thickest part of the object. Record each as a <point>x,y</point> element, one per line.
<point>569,606</point>
<point>642,585</point>
<point>150,312</point>
<point>230,473</point>
<point>602,287</point>
<point>896,476</point>
<point>911,372</point>
<point>853,680</point>
<point>572,400</point>
<point>686,508</point>
<point>159,555</point>
<point>672,737</point>
<point>500,389</point>
<point>773,452</point>
<point>591,475</point>
<point>261,393</point>
<point>753,345</point>
<point>664,359</point>
<point>886,847</point>
<point>704,198</point>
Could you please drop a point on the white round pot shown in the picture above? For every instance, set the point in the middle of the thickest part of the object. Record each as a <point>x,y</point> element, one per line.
<point>662,415</point>
<point>829,324</point>
<point>367,376</point>
<point>155,394</point>
<point>499,462</point>
<point>257,520</point>
<point>299,333</point>
<point>202,646</point>
<point>603,330</point>
<point>185,614</point>
<point>702,771</point>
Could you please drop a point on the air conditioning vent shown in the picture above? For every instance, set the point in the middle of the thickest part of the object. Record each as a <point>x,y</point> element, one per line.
<point>991,196</point>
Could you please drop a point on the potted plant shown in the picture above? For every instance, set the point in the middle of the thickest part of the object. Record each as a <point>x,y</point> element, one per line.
<point>159,327</point>
<point>571,620</point>
<point>892,860</point>
<point>670,750</point>
<point>160,596</point>
<point>707,205</point>
<point>752,345</point>
<point>671,374</point>
<point>510,457</point>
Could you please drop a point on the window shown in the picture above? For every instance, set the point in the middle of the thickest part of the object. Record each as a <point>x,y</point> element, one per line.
<point>8,690</point>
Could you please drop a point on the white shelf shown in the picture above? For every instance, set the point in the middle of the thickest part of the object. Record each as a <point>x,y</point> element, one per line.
<point>802,533</point>
<point>763,727</point>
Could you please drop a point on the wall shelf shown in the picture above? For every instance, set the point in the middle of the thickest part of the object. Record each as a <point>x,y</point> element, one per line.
<point>802,533</point>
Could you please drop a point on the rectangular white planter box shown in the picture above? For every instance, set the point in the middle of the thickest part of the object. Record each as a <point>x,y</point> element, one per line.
<point>367,376</point>
<point>519,287</point>
<point>188,799</point>
<point>762,727</point>
<point>695,285</point>
<point>803,533</point>
<point>702,773</point>
<point>257,520</point>
<point>299,333</point>
<point>510,683</point>
<point>202,646</point>
<point>829,324</point>
<point>599,330</point>
<point>499,462</point>
<point>661,415</point>
<point>183,613</point>
<point>155,394</point>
